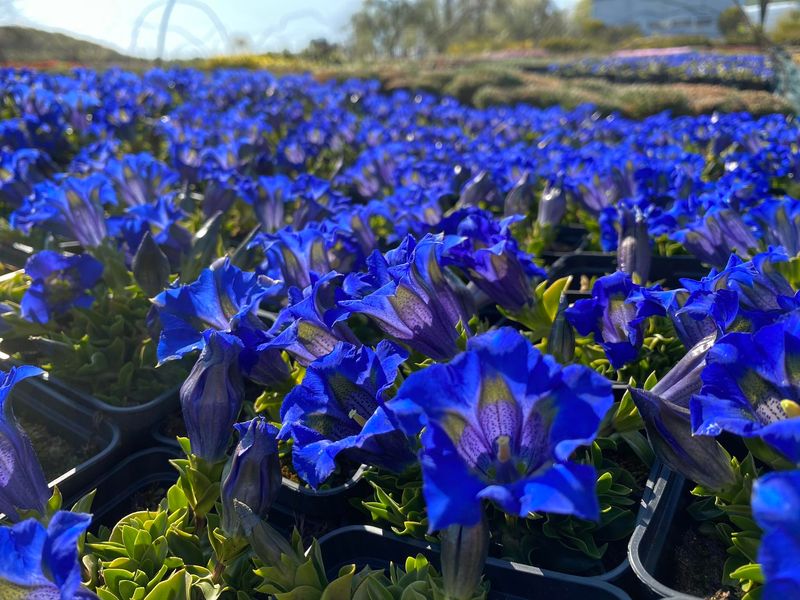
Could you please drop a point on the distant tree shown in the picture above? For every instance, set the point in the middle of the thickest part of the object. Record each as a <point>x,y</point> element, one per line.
<point>787,30</point>
<point>582,11</point>
<point>380,26</point>
<point>321,50</point>
<point>732,22</point>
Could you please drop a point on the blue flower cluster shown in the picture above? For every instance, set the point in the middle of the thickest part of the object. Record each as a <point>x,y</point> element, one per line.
<point>674,65</point>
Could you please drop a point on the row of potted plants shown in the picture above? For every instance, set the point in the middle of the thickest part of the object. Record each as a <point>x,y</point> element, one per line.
<point>340,329</point>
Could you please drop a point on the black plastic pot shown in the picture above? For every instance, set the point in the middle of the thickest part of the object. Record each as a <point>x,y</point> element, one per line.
<point>37,402</point>
<point>330,505</point>
<point>329,508</point>
<point>569,238</point>
<point>657,531</point>
<point>365,545</point>
<point>668,269</point>
<point>132,421</point>
<point>118,489</point>
<point>15,255</point>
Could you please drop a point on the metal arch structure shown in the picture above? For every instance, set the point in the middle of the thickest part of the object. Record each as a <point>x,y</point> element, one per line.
<point>308,13</point>
<point>164,26</point>
<point>190,39</point>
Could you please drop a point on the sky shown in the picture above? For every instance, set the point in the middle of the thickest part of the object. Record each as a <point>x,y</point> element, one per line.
<point>131,26</point>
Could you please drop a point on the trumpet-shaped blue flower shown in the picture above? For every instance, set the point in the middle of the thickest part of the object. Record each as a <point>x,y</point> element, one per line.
<point>501,422</point>
<point>253,475</point>
<point>611,318</point>
<point>58,282</point>
<point>419,306</point>
<point>20,171</point>
<point>487,252</point>
<point>223,298</point>
<point>75,205</point>
<point>295,257</point>
<point>779,222</point>
<point>338,411</point>
<point>716,235</point>
<point>775,499</point>
<point>161,218</point>
<point>751,387</point>
<point>743,296</point>
<point>307,328</point>
<point>212,395</point>
<point>654,301</point>
<point>140,178</point>
<point>42,563</point>
<point>22,482</point>
<point>268,196</point>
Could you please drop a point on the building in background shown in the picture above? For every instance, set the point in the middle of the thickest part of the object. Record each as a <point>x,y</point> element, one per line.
<point>775,12</point>
<point>663,17</point>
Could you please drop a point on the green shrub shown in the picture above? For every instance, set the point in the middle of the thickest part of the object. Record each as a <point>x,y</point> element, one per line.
<point>669,41</point>
<point>787,31</point>
<point>764,103</point>
<point>640,101</point>
<point>465,85</point>
<point>563,44</point>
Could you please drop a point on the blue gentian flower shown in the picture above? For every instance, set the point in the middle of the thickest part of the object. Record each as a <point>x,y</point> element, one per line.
<point>308,328</point>
<point>501,421</point>
<point>779,223</point>
<point>488,253</point>
<point>653,301</point>
<point>295,257</point>
<point>716,235</point>
<point>743,296</point>
<point>212,395</point>
<point>775,499</point>
<point>223,298</point>
<point>141,179</point>
<point>751,387</point>
<point>268,196</point>
<point>75,204</point>
<point>42,563</point>
<point>58,282</point>
<point>22,482</point>
<point>419,306</point>
<point>161,218</point>
<point>338,411</point>
<point>611,317</point>
<point>253,475</point>
<point>20,171</point>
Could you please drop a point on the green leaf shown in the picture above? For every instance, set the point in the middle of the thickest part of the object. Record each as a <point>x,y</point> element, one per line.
<point>751,572</point>
<point>340,588</point>
<point>175,588</point>
<point>84,505</point>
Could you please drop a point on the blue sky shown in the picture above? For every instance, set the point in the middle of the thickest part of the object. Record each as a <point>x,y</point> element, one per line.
<point>267,24</point>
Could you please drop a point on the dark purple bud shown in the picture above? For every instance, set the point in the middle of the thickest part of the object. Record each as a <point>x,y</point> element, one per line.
<point>665,412</point>
<point>464,551</point>
<point>552,206</point>
<point>633,250</point>
<point>520,199</point>
<point>479,190</point>
<point>150,266</point>
<point>211,396</point>
<point>561,341</point>
<point>253,475</point>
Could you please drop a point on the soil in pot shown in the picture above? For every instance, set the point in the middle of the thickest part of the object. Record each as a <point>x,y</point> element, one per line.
<point>697,563</point>
<point>56,454</point>
<point>149,497</point>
